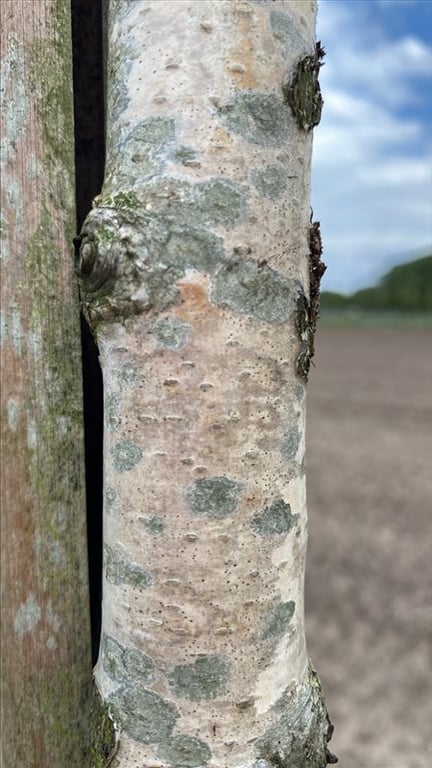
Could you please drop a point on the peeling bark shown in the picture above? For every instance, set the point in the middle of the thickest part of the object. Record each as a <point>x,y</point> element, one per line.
<point>192,264</point>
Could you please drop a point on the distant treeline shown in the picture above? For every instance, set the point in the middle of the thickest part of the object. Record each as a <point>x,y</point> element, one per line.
<point>407,287</point>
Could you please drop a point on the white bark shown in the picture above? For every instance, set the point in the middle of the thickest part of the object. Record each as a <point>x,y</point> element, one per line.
<point>193,264</point>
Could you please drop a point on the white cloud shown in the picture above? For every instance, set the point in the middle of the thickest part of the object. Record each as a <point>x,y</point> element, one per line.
<point>390,3</point>
<point>372,167</point>
<point>402,171</point>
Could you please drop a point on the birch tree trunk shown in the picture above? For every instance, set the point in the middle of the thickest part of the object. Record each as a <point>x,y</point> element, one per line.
<point>195,270</point>
<point>46,662</point>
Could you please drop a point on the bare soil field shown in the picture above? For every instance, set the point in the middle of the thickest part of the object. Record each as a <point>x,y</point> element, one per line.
<point>369,578</point>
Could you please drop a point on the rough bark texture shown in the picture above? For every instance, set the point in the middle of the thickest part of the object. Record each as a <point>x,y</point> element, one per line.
<point>46,666</point>
<point>193,264</point>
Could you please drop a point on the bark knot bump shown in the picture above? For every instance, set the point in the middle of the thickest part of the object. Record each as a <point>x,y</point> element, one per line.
<point>95,271</point>
<point>308,745</point>
<point>110,266</point>
<point>303,93</point>
<point>136,246</point>
<point>308,311</point>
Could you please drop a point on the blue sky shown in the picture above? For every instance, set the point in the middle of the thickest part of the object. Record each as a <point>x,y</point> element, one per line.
<point>372,161</point>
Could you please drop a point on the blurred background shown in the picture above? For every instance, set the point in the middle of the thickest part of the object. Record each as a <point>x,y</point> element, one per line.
<point>369,577</point>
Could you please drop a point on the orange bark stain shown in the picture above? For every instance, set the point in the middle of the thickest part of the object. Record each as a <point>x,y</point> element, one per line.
<point>241,60</point>
<point>220,140</point>
<point>241,64</point>
<point>195,305</point>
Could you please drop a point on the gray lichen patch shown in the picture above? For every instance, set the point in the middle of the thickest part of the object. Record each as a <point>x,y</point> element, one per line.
<point>301,729</point>
<point>185,752</point>
<point>261,118</point>
<point>118,570</point>
<point>119,65</point>
<point>285,30</point>
<point>111,499</point>
<point>152,132</point>
<point>129,374</point>
<point>185,155</point>
<point>193,249</point>
<point>299,392</point>
<point>214,496</point>
<point>27,616</point>
<point>125,664</point>
<point>170,332</point>
<point>112,412</point>
<point>249,287</point>
<point>125,455</point>
<point>144,715</point>
<point>220,202</point>
<point>275,519</point>
<point>142,149</point>
<point>13,414</point>
<point>270,181</point>
<point>277,620</point>
<point>206,678</point>
<point>290,443</point>
<point>154,524</point>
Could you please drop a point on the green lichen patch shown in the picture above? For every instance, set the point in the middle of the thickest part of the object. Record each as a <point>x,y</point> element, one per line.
<point>252,288</point>
<point>290,443</point>
<point>101,728</point>
<point>270,181</point>
<point>206,678</point>
<point>144,715</point>
<point>276,519</point>
<point>214,496</point>
<point>185,752</point>
<point>127,200</point>
<point>125,455</point>
<point>49,79</point>
<point>170,332</point>
<point>277,620</point>
<point>261,118</point>
<point>154,524</point>
<point>125,664</point>
<point>118,570</point>
<point>303,92</point>
<point>112,412</point>
<point>301,729</point>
